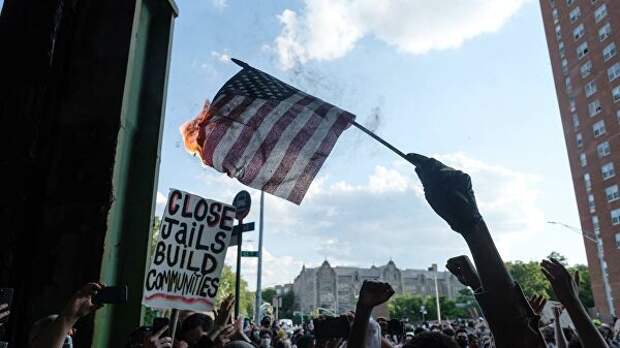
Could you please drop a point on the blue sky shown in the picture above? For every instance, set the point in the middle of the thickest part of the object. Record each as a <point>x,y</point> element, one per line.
<point>471,85</point>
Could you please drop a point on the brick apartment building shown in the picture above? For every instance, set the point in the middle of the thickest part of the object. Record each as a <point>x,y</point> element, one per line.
<point>582,36</point>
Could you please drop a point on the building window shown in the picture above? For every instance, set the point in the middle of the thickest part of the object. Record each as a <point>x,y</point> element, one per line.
<point>615,93</point>
<point>579,141</point>
<point>590,88</point>
<point>569,85</point>
<point>575,14</point>
<point>594,108</point>
<point>582,49</point>
<point>612,193</point>
<point>600,13</point>
<point>607,170</point>
<point>591,203</point>
<point>558,32</point>
<point>583,159</point>
<point>604,32</point>
<point>618,240</point>
<point>603,149</point>
<point>578,32</point>
<point>609,51</point>
<point>564,66</point>
<point>615,216</point>
<point>595,225</point>
<point>556,16</point>
<point>613,72</point>
<point>569,2</point>
<point>598,128</point>
<point>576,122</point>
<point>587,181</point>
<point>561,49</point>
<point>586,69</point>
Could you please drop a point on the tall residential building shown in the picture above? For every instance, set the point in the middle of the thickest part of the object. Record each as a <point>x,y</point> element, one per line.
<point>582,36</point>
<point>336,288</point>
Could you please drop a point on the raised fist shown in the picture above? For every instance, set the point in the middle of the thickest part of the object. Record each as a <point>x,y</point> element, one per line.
<point>374,293</point>
<point>448,191</point>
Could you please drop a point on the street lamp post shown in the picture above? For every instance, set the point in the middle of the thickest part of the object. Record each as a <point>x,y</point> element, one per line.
<point>601,260</point>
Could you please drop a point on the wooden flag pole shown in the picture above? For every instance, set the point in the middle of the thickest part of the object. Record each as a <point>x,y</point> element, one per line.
<point>385,143</point>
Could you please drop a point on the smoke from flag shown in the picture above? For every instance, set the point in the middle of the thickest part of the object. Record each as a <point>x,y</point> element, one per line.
<point>266,133</point>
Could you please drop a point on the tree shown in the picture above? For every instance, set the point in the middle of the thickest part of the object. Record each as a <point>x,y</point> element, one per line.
<point>529,276</point>
<point>405,306</point>
<point>288,305</point>
<point>558,257</point>
<point>585,288</point>
<point>268,295</point>
<point>227,286</point>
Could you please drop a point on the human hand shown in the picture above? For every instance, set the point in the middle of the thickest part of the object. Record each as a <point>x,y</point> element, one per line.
<point>223,314</point>
<point>537,302</point>
<point>81,303</point>
<point>180,344</point>
<point>464,271</point>
<point>156,341</point>
<point>448,191</point>
<point>564,285</point>
<point>374,293</point>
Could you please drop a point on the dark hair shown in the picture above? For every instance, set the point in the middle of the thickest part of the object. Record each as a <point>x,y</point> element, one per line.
<point>197,320</point>
<point>431,340</point>
<point>305,341</point>
<point>448,332</point>
<point>238,344</point>
<point>418,330</point>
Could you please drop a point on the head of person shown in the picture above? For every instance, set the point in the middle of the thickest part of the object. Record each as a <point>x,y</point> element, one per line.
<point>265,322</point>
<point>266,339</point>
<point>431,340</point>
<point>137,337</point>
<point>418,330</point>
<point>238,344</point>
<point>305,341</point>
<point>461,338</point>
<point>195,326</point>
<point>383,323</point>
<point>40,326</point>
<point>435,328</point>
<point>448,332</point>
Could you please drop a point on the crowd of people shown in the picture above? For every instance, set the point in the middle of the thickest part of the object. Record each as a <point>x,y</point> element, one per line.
<point>510,320</point>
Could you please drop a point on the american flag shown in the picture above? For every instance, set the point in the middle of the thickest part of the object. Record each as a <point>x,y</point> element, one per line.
<point>266,133</point>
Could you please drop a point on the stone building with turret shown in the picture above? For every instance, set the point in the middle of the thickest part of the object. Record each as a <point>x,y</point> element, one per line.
<point>337,288</point>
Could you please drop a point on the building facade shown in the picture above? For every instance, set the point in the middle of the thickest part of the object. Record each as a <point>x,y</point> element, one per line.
<point>337,288</point>
<point>582,37</point>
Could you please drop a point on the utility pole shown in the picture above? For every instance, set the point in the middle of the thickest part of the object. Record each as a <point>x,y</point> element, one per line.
<point>601,260</point>
<point>259,271</point>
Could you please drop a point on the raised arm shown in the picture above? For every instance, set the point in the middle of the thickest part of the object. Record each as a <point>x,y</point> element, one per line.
<point>371,294</point>
<point>560,339</point>
<point>567,291</point>
<point>449,192</point>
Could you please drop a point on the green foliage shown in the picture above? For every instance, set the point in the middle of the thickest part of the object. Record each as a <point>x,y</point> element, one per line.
<point>227,286</point>
<point>532,281</point>
<point>529,276</point>
<point>409,305</point>
<point>288,305</point>
<point>268,295</point>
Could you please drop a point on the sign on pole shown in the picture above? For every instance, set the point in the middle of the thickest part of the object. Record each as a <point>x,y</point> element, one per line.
<point>247,253</point>
<point>187,262</point>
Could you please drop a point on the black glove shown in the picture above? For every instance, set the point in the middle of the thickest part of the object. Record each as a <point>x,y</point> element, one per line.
<point>448,191</point>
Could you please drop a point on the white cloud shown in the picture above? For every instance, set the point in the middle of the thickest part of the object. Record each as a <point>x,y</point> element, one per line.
<point>223,57</point>
<point>385,217</point>
<point>329,29</point>
<point>219,4</point>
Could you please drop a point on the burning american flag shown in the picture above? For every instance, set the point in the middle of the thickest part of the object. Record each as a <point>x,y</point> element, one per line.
<point>267,134</point>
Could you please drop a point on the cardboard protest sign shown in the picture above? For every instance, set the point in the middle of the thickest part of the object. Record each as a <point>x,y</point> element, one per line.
<point>188,258</point>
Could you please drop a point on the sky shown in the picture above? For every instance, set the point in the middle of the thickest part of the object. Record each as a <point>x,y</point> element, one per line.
<point>468,82</point>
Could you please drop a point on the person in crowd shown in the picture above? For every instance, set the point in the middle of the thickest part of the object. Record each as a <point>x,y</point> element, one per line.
<point>431,340</point>
<point>567,290</point>
<point>449,192</point>
<point>461,338</point>
<point>55,331</point>
<point>194,327</point>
